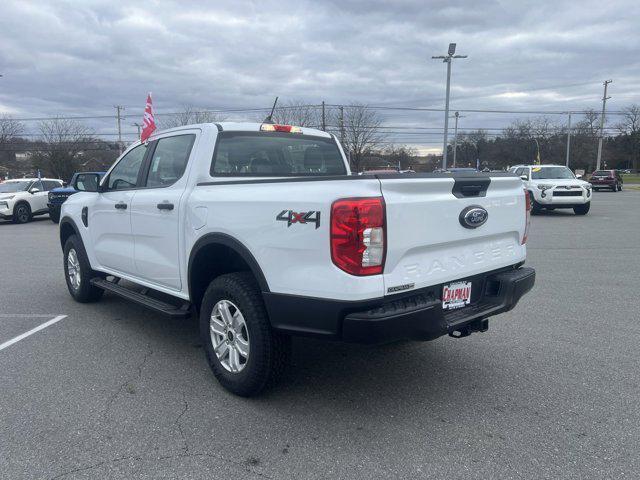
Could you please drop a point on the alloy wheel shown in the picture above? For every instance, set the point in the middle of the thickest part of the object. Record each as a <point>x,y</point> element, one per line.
<point>229,336</point>
<point>73,269</point>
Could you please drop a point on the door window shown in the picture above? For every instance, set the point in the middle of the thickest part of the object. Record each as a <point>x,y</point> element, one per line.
<point>125,174</point>
<point>50,185</point>
<point>37,184</point>
<point>169,160</point>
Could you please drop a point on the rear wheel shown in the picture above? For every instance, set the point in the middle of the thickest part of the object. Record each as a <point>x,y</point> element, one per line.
<point>78,272</point>
<point>22,213</point>
<point>582,209</point>
<point>243,351</point>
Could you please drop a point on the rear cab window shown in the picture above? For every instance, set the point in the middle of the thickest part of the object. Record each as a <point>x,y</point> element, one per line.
<point>275,154</point>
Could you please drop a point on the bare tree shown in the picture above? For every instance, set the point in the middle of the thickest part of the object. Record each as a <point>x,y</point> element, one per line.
<point>64,142</point>
<point>189,116</point>
<point>362,132</point>
<point>403,157</point>
<point>10,131</point>
<point>299,113</point>
<point>629,129</point>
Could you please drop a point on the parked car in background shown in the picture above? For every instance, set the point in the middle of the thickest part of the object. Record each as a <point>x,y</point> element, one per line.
<point>22,199</point>
<point>610,179</point>
<point>554,186</point>
<point>79,182</point>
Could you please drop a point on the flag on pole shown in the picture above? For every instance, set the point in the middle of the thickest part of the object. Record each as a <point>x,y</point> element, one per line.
<point>39,176</point>
<point>148,122</point>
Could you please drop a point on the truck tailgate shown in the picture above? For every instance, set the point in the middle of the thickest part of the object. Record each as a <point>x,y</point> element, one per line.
<point>427,243</point>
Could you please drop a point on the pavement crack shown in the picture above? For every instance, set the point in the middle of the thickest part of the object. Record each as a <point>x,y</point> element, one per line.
<point>178,425</point>
<point>87,468</point>
<point>112,398</point>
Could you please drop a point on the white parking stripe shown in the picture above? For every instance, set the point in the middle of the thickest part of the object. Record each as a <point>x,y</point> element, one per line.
<point>31,332</point>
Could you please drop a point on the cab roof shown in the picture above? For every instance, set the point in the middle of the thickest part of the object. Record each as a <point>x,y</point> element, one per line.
<point>238,127</point>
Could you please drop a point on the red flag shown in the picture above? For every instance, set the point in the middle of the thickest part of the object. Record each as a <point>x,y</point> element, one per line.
<point>148,122</point>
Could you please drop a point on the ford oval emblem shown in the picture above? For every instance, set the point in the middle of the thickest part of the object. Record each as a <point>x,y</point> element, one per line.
<point>473,216</point>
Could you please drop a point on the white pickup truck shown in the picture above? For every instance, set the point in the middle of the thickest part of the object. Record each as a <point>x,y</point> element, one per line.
<point>262,230</point>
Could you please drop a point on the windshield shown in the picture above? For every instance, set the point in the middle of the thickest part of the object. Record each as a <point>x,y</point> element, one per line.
<point>254,154</point>
<point>12,187</point>
<point>552,173</point>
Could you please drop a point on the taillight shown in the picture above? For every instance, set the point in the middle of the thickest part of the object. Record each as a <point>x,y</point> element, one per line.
<point>527,213</point>
<point>358,235</point>
<point>270,127</point>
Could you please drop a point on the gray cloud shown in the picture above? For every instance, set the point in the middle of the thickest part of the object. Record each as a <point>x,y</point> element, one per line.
<point>80,58</point>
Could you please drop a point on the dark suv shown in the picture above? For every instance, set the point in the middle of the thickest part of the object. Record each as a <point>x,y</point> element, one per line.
<point>606,179</point>
<point>58,196</point>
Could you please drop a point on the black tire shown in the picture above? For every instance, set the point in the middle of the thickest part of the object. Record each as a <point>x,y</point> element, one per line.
<point>535,206</point>
<point>54,215</point>
<point>615,187</point>
<point>269,351</point>
<point>84,292</point>
<point>582,209</point>
<point>620,187</point>
<point>22,213</point>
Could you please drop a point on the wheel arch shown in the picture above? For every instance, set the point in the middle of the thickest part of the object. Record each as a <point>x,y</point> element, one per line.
<point>215,254</point>
<point>67,228</point>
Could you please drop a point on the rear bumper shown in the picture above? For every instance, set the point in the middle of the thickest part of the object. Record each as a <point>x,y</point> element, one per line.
<point>417,315</point>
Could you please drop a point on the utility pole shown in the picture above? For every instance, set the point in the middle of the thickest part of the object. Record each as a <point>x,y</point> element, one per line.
<point>118,120</point>
<point>455,137</point>
<point>136,124</point>
<point>324,122</point>
<point>342,135</point>
<point>568,138</point>
<point>447,59</point>
<point>604,104</point>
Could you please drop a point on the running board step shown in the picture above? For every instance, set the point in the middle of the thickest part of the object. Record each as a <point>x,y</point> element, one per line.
<point>183,311</point>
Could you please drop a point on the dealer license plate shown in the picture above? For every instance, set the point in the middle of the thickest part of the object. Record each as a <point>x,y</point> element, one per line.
<point>456,295</point>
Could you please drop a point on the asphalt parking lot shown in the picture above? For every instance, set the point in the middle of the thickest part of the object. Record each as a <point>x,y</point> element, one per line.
<point>551,391</point>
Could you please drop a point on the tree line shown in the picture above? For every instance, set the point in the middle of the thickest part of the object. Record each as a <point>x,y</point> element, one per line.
<point>64,146</point>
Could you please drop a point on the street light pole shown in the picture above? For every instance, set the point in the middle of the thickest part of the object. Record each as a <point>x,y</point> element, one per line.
<point>604,104</point>
<point>447,59</point>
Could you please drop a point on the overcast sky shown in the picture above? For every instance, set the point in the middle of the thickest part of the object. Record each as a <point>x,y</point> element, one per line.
<point>83,57</point>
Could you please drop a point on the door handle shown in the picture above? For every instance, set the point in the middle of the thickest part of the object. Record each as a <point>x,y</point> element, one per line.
<point>121,206</point>
<point>165,206</point>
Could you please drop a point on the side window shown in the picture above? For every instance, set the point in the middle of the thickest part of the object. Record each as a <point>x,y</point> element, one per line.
<point>86,183</point>
<point>519,171</point>
<point>50,185</point>
<point>37,184</point>
<point>169,160</point>
<point>125,174</point>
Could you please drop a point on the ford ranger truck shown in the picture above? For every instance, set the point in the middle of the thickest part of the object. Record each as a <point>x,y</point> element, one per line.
<point>263,231</point>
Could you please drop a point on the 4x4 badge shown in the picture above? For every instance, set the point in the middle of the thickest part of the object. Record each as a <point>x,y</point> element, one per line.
<point>292,217</point>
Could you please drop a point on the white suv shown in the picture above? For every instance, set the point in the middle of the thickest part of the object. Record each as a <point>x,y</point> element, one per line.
<point>22,198</point>
<point>554,186</point>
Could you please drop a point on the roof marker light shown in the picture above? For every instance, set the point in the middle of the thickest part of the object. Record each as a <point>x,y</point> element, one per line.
<point>270,127</point>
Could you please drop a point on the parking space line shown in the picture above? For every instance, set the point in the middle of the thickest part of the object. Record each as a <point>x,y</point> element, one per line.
<point>8,343</point>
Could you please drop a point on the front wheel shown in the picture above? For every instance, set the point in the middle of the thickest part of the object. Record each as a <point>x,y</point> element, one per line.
<point>22,213</point>
<point>615,188</point>
<point>535,206</point>
<point>582,209</point>
<point>243,351</point>
<point>54,215</point>
<point>78,272</point>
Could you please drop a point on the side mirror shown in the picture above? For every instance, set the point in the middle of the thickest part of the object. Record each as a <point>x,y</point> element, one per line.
<point>88,182</point>
<point>34,190</point>
<point>578,176</point>
<point>524,177</point>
